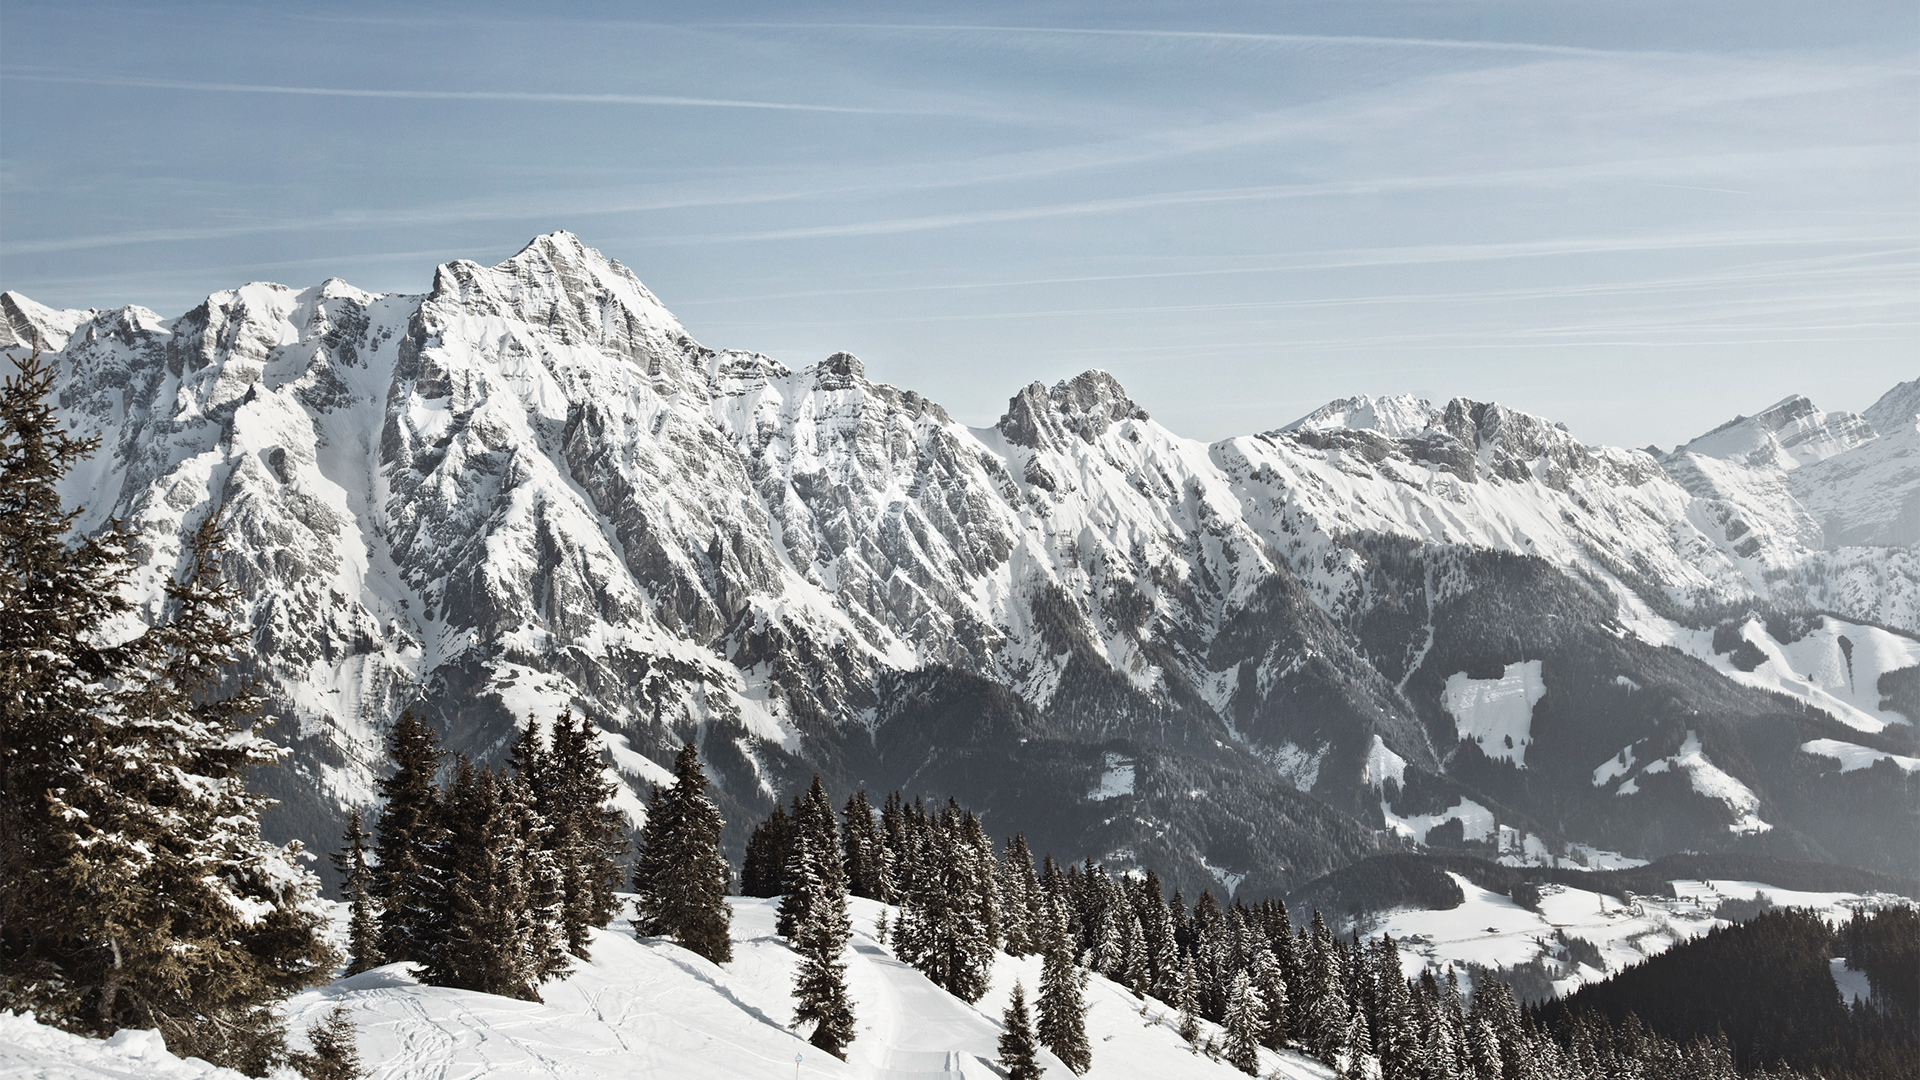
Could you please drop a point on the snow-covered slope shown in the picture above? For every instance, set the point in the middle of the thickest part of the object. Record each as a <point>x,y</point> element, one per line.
<point>530,488</point>
<point>649,1008</point>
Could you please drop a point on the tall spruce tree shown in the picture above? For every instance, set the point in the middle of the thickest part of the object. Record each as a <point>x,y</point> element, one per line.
<point>1244,1009</point>
<point>1017,888</point>
<point>765,867</point>
<point>590,836</point>
<point>679,875</point>
<point>869,866</point>
<point>1019,1054</point>
<point>816,875</point>
<point>363,922</point>
<point>814,836</point>
<point>407,830</point>
<point>1062,1006</point>
<point>60,680</point>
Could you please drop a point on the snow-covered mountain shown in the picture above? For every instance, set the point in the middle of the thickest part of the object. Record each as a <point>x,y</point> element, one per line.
<point>1244,663</point>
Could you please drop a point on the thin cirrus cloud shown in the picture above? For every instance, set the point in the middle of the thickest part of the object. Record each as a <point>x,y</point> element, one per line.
<point>451,95</point>
<point>1475,45</point>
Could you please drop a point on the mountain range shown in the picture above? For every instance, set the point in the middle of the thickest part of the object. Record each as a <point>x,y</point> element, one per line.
<point>1388,624</point>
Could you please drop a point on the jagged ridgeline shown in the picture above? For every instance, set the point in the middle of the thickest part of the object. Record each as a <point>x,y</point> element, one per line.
<point>1246,663</point>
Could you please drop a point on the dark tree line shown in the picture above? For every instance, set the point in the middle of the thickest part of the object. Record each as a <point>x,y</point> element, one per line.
<point>1258,979</point>
<point>1766,988</point>
<point>135,887</point>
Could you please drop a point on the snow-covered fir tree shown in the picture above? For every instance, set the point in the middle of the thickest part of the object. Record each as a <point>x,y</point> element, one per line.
<point>1062,1007</point>
<point>406,831</point>
<point>1019,1054</point>
<point>1244,1009</point>
<point>482,929</point>
<point>1017,900</point>
<point>356,885</point>
<point>135,887</point>
<point>947,900</point>
<point>1271,985</point>
<point>588,836</point>
<point>821,928</point>
<point>1187,1000</point>
<point>679,874</point>
<point>336,1053</point>
<point>813,834</point>
<point>869,863</point>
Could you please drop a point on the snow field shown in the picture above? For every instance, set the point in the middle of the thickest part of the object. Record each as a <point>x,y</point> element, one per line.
<point>1490,929</point>
<point>1853,756</point>
<point>1497,714</point>
<point>647,1008</point>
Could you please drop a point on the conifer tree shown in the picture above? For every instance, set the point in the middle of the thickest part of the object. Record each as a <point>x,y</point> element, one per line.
<point>1244,1009</point>
<point>481,929</point>
<point>1272,987</point>
<point>135,887</point>
<point>590,837</point>
<point>363,923</point>
<point>407,830</point>
<point>57,698</point>
<point>1187,1000</point>
<point>1062,1006</point>
<point>814,836</point>
<point>336,1052</point>
<point>1325,1026</point>
<point>764,870</point>
<point>1017,886</point>
<point>945,926</point>
<point>816,873</point>
<point>680,876</point>
<point>1019,1055</point>
<point>869,865</point>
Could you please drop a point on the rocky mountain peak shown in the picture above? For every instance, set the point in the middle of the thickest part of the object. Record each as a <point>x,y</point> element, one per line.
<point>1396,416</point>
<point>840,371</point>
<point>1084,406</point>
<point>1897,410</point>
<point>1788,434</point>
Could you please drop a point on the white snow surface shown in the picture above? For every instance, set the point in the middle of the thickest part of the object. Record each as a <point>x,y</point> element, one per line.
<point>1476,821</point>
<point>649,1008</point>
<point>30,1050</point>
<point>1853,756</point>
<point>1853,985</point>
<point>1497,714</point>
<point>1116,777</point>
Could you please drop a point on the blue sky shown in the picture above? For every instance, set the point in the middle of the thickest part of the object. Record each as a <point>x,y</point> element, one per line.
<point>1637,218</point>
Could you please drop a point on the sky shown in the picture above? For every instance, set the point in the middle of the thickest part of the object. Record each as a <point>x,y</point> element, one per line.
<point>1637,218</point>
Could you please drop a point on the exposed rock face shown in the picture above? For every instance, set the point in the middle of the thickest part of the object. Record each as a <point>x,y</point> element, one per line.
<point>531,489</point>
